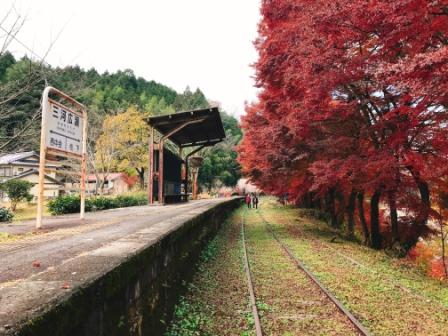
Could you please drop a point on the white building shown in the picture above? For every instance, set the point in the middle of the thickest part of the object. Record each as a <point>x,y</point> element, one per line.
<point>25,166</point>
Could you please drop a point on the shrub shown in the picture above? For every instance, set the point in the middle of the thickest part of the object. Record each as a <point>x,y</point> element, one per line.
<point>426,255</point>
<point>100,203</point>
<point>64,204</point>
<point>71,203</point>
<point>17,191</point>
<point>6,215</point>
<point>437,268</point>
<point>128,200</point>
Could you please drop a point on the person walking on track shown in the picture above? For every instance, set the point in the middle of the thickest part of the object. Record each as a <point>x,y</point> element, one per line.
<point>255,201</point>
<point>248,200</point>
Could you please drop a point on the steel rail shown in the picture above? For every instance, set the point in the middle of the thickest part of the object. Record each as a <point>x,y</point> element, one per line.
<point>356,323</point>
<point>376,273</point>
<point>250,285</point>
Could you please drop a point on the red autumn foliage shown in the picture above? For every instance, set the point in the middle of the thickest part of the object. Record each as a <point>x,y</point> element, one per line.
<point>426,256</point>
<point>414,252</point>
<point>437,269</point>
<point>353,101</point>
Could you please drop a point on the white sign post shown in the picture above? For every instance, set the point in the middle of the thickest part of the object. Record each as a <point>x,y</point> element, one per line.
<point>63,133</point>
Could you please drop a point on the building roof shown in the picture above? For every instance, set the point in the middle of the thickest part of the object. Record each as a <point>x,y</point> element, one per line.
<point>34,171</point>
<point>205,127</point>
<point>12,157</point>
<point>20,159</point>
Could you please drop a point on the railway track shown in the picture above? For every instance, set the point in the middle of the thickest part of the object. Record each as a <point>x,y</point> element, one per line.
<point>250,285</point>
<point>300,266</point>
<point>360,265</point>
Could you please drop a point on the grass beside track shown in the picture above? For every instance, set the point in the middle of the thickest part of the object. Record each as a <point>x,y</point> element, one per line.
<point>216,302</point>
<point>293,304</point>
<point>387,295</point>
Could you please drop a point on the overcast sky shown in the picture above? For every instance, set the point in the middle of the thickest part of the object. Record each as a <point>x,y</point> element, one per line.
<point>200,43</point>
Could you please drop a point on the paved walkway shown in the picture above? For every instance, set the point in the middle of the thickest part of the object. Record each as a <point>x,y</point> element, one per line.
<point>38,267</point>
<point>65,237</point>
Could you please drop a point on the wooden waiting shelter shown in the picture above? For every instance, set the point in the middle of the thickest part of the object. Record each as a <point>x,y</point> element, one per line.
<point>188,133</point>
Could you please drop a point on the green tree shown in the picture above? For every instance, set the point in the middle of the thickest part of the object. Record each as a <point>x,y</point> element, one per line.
<point>17,191</point>
<point>155,106</point>
<point>219,168</point>
<point>6,61</point>
<point>190,100</point>
<point>21,86</point>
<point>220,165</point>
<point>22,82</point>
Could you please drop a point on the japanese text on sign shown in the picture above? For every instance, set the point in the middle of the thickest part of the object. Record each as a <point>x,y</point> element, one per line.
<point>64,129</point>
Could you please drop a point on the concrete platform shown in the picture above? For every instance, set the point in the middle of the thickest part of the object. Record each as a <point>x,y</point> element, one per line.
<point>41,270</point>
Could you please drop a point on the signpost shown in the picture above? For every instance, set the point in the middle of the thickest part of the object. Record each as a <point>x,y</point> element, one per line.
<point>63,133</point>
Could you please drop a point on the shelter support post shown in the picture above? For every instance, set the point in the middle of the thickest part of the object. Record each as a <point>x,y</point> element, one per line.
<point>161,143</point>
<point>151,167</point>
<point>187,173</point>
<point>182,170</point>
<point>195,184</point>
<point>187,167</point>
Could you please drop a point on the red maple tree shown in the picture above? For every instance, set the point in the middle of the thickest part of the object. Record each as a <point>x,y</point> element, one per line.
<point>352,107</point>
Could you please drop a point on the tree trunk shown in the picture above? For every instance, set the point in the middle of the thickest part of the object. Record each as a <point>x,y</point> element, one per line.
<point>340,214</point>
<point>362,219</point>
<point>375,234</point>
<point>97,183</point>
<point>422,216</point>
<point>393,217</point>
<point>102,183</point>
<point>422,219</point>
<point>306,201</point>
<point>141,176</point>
<point>331,207</point>
<point>351,215</point>
<point>317,203</point>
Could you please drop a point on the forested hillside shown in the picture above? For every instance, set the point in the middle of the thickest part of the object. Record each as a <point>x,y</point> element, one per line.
<point>105,95</point>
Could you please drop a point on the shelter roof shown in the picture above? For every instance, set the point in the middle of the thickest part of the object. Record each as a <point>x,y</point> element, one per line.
<point>202,127</point>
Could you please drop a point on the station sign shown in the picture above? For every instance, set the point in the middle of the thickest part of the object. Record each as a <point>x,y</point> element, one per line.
<point>63,134</point>
<point>64,129</point>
